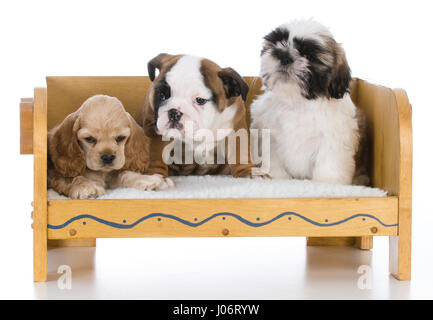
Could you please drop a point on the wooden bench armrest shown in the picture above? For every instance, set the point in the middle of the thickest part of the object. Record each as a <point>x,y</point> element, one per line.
<point>389,115</point>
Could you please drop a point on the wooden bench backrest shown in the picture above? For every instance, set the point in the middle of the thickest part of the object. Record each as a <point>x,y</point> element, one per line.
<point>66,94</point>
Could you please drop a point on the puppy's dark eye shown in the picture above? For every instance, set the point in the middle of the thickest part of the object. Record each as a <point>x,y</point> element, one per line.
<point>162,96</point>
<point>308,56</point>
<point>201,101</point>
<point>90,139</point>
<point>308,48</point>
<point>284,43</point>
<point>120,139</point>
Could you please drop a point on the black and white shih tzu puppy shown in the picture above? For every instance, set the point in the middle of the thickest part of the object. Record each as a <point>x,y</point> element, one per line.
<point>315,128</point>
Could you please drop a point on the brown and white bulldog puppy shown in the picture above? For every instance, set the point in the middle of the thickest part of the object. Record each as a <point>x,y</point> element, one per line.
<point>195,92</point>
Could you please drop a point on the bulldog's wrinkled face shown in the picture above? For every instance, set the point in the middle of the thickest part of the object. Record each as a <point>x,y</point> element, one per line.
<point>183,97</point>
<point>194,93</point>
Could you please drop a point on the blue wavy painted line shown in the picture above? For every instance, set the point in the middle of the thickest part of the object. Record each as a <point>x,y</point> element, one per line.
<point>197,224</point>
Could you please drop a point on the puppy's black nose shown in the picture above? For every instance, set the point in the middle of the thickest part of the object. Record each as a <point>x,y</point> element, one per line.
<point>108,158</point>
<point>174,115</point>
<point>286,59</point>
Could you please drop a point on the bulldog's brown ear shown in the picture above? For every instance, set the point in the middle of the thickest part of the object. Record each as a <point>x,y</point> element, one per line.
<point>156,63</point>
<point>234,84</point>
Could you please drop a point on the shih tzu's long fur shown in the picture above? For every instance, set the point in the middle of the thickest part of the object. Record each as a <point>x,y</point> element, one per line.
<point>99,146</point>
<point>315,127</point>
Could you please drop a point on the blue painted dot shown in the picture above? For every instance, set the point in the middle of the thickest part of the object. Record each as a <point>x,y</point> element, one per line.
<point>290,218</point>
<point>258,219</point>
<point>363,219</point>
<point>224,218</point>
<point>124,221</point>
<point>84,222</point>
<point>195,219</point>
<point>326,220</point>
<point>159,219</point>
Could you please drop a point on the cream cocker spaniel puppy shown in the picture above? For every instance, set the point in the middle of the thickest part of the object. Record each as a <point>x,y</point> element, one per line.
<point>97,147</point>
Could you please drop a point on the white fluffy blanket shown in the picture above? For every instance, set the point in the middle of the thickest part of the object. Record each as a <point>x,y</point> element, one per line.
<point>211,187</point>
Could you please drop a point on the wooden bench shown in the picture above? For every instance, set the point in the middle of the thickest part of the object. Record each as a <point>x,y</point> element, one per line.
<point>330,221</point>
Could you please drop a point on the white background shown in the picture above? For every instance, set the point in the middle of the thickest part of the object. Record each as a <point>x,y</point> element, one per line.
<point>387,42</point>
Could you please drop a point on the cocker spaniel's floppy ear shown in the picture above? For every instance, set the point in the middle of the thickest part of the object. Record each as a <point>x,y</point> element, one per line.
<point>156,63</point>
<point>64,150</point>
<point>341,75</point>
<point>137,149</point>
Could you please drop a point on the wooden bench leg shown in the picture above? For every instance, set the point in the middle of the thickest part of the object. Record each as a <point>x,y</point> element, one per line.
<point>400,258</point>
<point>39,253</point>
<point>400,246</point>
<point>363,243</point>
<point>72,243</point>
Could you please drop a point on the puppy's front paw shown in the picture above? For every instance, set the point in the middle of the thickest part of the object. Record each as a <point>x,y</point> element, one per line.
<point>152,182</point>
<point>166,184</point>
<point>254,173</point>
<point>83,188</point>
<point>257,173</point>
